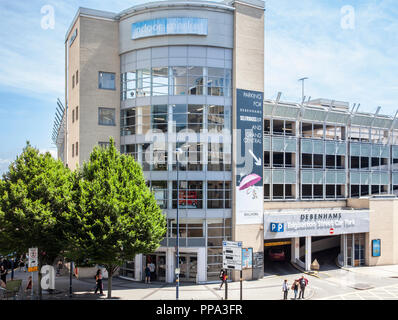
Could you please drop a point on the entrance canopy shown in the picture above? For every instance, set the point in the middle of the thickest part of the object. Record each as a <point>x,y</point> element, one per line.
<point>289,223</point>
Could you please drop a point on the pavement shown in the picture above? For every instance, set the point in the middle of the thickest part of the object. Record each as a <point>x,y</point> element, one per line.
<point>362,283</point>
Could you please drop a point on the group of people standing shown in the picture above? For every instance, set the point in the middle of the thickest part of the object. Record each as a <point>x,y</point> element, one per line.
<point>298,285</point>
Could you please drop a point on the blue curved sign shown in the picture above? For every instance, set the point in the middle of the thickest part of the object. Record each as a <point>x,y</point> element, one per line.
<point>169,26</point>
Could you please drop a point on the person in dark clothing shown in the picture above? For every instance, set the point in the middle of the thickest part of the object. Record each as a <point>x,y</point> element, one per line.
<point>303,282</point>
<point>3,273</point>
<point>223,277</point>
<point>98,281</point>
<point>12,268</point>
<point>147,274</point>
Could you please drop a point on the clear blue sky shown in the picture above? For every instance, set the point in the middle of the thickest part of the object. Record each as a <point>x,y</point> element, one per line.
<point>349,57</point>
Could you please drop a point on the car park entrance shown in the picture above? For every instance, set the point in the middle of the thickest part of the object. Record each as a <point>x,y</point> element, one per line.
<point>299,236</point>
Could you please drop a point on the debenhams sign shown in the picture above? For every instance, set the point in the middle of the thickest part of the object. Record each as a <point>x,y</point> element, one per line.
<point>325,223</point>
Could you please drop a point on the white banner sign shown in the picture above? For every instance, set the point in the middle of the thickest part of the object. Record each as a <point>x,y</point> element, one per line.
<point>316,223</point>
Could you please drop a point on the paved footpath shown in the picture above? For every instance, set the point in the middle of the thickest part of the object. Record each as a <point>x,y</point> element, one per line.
<point>365,283</point>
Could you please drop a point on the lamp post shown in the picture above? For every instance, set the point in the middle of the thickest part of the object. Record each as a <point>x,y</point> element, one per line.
<point>178,152</point>
<point>302,88</point>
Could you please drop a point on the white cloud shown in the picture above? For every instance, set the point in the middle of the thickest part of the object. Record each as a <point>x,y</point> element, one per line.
<point>354,66</point>
<point>53,152</point>
<point>4,164</point>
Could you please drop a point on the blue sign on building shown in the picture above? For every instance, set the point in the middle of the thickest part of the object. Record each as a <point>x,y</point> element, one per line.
<point>169,26</point>
<point>376,248</point>
<point>277,227</point>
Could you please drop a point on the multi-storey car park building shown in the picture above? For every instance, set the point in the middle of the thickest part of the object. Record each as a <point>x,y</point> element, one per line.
<point>189,75</point>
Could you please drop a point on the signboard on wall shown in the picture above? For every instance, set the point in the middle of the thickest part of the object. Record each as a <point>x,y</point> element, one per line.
<point>169,26</point>
<point>376,248</point>
<point>247,258</point>
<point>249,157</point>
<point>316,223</point>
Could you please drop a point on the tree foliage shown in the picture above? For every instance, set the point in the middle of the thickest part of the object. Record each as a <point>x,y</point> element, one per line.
<point>116,216</point>
<point>35,205</point>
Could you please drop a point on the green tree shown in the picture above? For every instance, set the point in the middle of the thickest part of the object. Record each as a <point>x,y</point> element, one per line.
<point>117,215</point>
<point>35,195</point>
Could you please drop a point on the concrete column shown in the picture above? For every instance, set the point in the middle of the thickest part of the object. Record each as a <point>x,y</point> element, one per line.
<point>170,265</point>
<point>138,267</point>
<point>295,249</point>
<point>202,265</point>
<point>344,248</point>
<point>308,256</point>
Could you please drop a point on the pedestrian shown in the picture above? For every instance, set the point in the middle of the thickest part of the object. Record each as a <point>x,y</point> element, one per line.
<point>3,273</point>
<point>98,282</point>
<point>152,267</point>
<point>295,287</point>
<point>12,269</point>
<point>285,289</point>
<point>59,267</point>
<point>29,284</point>
<point>223,277</point>
<point>303,282</point>
<point>2,284</point>
<point>147,274</point>
<point>21,264</point>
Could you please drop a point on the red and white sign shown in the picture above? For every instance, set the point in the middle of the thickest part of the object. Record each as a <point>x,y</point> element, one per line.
<point>331,231</point>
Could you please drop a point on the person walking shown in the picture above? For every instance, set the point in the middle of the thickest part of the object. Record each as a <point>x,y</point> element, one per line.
<point>12,268</point>
<point>295,287</point>
<point>3,273</point>
<point>303,284</point>
<point>223,277</point>
<point>285,289</point>
<point>98,281</point>
<point>59,267</point>
<point>147,274</point>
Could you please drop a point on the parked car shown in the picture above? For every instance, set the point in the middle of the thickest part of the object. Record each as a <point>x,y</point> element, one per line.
<point>276,254</point>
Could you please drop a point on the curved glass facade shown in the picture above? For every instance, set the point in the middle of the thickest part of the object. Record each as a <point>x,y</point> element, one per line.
<point>180,97</point>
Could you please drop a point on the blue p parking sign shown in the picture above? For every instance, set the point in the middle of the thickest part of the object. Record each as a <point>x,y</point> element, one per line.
<point>277,227</point>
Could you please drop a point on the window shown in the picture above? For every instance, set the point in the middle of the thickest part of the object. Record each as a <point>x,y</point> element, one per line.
<point>144,83</point>
<point>159,188</point>
<point>77,113</point>
<point>160,81</point>
<point>159,117</point>
<point>77,148</point>
<point>218,194</point>
<point>73,116</point>
<point>128,122</point>
<point>77,77</point>
<point>73,150</point>
<point>215,82</point>
<point>106,116</point>
<point>196,80</point>
<point>73,81</point>
<point>217,118</point>
<point>190,194</point>
<point>106,81</point>
<point>103,144</point>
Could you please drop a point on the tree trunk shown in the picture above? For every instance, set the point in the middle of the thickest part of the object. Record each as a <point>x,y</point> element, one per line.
<point>110,275</point>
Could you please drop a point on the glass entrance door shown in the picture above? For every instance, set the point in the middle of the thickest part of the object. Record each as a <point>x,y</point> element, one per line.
<point>359,249</point>
<point>161,267</point>
<point>188,267</point>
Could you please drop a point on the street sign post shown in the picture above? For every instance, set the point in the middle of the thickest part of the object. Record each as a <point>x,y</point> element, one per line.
<point>232,255</point>
<point>232,260</point>
<point>33,263</point>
